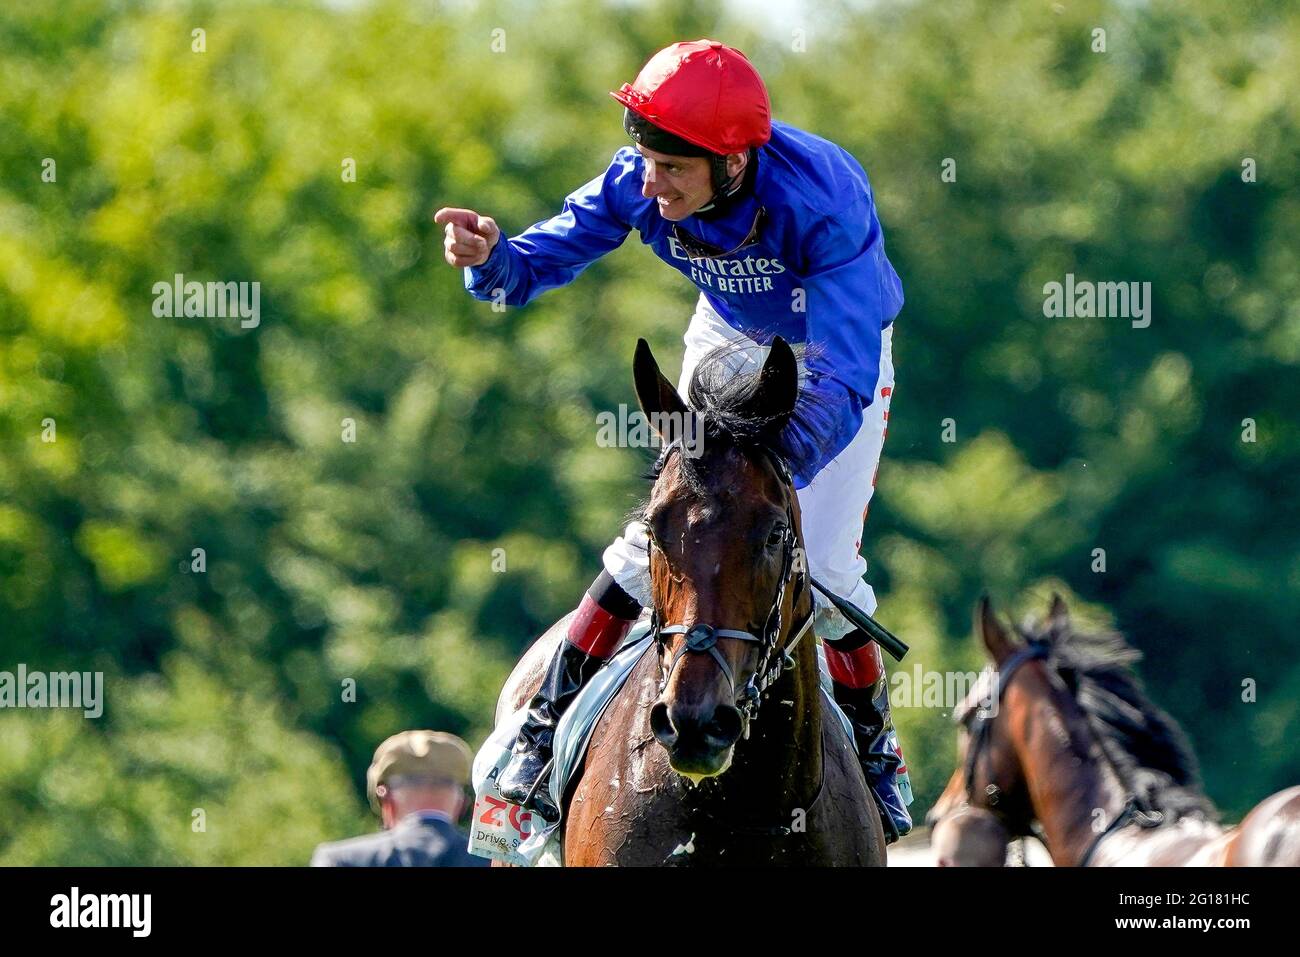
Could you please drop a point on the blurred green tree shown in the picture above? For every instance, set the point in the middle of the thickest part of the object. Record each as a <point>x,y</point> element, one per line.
<point>470,510</point>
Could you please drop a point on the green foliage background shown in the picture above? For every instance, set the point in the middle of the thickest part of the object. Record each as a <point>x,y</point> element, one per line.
<point>373,560</point>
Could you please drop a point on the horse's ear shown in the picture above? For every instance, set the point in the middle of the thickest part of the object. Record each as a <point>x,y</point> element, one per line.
<point>1058,615</point>
<point>995,638</point>
<point>778,386</point>
<point>656,395</point>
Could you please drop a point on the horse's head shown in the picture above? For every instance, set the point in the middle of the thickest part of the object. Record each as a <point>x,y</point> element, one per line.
<point>1060,733</point>
<point>725,562</point>
<point>987,798</point>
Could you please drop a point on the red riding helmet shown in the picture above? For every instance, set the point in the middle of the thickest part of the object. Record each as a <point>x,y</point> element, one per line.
<point>704,91</point>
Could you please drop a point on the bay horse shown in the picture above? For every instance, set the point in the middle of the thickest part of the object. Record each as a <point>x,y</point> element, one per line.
<point>1059,736</point>
<point>720,749</point>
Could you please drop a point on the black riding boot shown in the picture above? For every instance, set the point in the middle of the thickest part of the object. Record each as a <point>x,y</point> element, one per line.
<point>523,780</point>
<point>868,712</point>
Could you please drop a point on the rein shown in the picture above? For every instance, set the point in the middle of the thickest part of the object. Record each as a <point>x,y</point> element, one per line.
<point>1131,813</point>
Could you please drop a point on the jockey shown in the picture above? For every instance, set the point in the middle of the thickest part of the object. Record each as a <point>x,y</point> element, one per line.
<point>778,230</point>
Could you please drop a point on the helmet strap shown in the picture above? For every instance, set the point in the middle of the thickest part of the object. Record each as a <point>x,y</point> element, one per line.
<point>725,187</point>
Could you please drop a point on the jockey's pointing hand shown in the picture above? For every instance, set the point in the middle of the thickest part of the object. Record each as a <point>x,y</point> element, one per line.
<point>470,237</point>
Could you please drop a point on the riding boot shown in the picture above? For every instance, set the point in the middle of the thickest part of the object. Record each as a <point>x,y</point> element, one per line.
<point>595,632</point>
<point>861,689</point>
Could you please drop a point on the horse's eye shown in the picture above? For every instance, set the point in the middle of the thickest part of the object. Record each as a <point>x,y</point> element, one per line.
<point>777,536</point>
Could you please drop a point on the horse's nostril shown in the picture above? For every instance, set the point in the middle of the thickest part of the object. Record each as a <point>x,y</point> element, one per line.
<point>726,725</point>
<point>662,725</point>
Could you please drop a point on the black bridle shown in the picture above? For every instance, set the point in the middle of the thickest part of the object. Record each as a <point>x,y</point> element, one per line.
<point>702,638</point>
<point>1134,811</point>
<point>982,723</point>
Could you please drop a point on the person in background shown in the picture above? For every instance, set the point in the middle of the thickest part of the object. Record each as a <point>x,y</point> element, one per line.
<point>416,783</point>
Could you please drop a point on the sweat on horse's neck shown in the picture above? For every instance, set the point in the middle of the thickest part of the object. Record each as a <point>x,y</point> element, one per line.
<point>1074,791</point>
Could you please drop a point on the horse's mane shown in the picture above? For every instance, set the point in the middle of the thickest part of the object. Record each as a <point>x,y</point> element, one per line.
<point>1150,751</point>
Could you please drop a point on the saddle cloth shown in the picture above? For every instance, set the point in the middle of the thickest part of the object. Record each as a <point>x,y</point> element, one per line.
<point>508,833</point>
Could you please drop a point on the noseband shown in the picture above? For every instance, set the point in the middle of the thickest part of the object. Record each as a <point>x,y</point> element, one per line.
<point>702,638</point>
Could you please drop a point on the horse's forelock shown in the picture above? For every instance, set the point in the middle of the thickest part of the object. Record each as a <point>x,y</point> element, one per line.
<point>721,394</point>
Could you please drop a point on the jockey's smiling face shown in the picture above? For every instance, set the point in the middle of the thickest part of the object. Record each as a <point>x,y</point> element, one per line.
<point>681,184</point>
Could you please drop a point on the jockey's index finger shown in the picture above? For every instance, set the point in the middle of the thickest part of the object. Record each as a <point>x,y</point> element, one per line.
<point>466,218</point>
